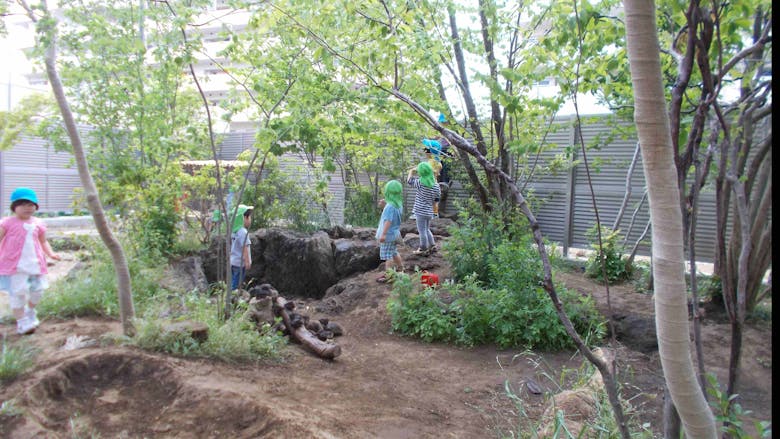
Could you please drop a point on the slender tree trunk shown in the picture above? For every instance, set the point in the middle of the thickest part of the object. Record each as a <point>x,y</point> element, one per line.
<point>124,288</point>
<point>672,427</point>
<point>654,134</point>
<point>627,195</point>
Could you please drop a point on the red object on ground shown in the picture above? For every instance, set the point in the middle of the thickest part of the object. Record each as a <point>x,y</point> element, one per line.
<point>429,279</point>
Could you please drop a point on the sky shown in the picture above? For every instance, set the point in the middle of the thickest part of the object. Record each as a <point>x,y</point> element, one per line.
<point>14,85</point>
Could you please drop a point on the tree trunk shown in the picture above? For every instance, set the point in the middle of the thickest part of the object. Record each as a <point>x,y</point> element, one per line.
<point>654,134</point>
<point>124,289</point>
<point>672,427</point>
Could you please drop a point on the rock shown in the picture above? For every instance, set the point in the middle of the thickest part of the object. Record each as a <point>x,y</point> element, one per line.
<point>185,275</point>
<point>439,226</point>
<point>355,256</point>
<point>635,331</point>
<point>314,326</point>
<point>261,310</point>
<point>335,328</point>
<point>197,330</point>
<point>579,408</point>
<point>339,232</point>
<point>533,387</point>
<point>295,264</point>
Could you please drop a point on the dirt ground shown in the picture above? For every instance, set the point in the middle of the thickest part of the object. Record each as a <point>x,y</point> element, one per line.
<point>381,386</point>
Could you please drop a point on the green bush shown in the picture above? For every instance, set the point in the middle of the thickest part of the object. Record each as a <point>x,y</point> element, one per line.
<point>420,314</point>
<point>281,198</point>
<point>617,267</point>
<point>360,207</point>
<point>472,243</point>
<point>498,297</point>
<point>474,315</point>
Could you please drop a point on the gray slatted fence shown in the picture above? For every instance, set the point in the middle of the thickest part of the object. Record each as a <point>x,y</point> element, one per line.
<point>561,201</point>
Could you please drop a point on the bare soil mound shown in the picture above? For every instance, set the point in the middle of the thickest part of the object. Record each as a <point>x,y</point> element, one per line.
<point>382,386</point>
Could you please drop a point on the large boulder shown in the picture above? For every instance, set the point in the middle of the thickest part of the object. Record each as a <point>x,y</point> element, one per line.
<point>294,263</point>
<point>439,226</point>
<point>353,256</point>
<point>299,264</point>
<point>184,275</point>
<point>636,331</point>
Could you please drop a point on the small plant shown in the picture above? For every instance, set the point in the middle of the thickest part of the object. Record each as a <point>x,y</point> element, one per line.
<point>420,314</point>
<point>730,413</point>
<point>610,253</point>
<point>8,409</point>
<point>360,207</point>
<point>15,360</point>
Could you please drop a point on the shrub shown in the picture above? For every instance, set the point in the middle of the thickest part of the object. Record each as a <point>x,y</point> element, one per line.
<point>475,315</point>
<point>279,196</point>
<point>471,244</point>
<point>498,298</point>
<point>360,207</point>
<point>419,314</point>
<point>617,267</point>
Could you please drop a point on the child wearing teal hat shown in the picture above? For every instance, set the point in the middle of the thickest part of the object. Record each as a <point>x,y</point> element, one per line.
<point>389,229</point>
<point>23,251</point>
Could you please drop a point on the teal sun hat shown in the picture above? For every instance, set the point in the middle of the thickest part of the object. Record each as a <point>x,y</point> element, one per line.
<point>24,193</point>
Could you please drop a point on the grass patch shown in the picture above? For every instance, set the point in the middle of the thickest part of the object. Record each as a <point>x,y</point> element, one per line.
<point>15,360</point>
<point>236,340</point>
<point>602,425</point>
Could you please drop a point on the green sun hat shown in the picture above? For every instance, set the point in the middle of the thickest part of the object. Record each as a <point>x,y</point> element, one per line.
<point>238,222</point>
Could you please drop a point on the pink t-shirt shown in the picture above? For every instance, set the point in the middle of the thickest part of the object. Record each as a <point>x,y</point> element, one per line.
<point>13,243</point>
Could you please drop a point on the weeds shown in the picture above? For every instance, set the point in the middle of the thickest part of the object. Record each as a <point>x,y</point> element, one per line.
<point>234,340</point>
<point>730,414</point>
<point>15,360</point>
<point>601,425</point>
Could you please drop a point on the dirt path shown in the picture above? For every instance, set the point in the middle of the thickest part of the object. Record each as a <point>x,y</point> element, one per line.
<point>382,385</point>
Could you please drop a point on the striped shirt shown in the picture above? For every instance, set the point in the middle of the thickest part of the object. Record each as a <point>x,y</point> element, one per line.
<point>424,197</point>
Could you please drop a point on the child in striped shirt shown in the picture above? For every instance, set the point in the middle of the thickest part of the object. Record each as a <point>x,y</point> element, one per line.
<point>427,192</point>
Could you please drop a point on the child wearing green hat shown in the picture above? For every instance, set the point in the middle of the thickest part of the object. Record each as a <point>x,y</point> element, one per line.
<point>240,256</point>
<point>389,229</point>
<point>23,251</point>
<point>427,193</point>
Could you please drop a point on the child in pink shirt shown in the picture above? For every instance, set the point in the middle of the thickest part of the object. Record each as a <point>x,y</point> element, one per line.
<point>23,270</point>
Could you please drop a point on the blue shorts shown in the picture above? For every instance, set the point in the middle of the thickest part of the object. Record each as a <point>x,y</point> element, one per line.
<point>387,250</point>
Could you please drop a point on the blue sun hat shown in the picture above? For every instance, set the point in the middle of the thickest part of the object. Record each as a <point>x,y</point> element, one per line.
<point>24,193</point>
<point>433,146</point>
<point>442,119</point>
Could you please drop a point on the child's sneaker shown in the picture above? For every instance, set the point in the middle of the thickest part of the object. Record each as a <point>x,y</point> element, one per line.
<point>24,326</point>
<point>33,316</point>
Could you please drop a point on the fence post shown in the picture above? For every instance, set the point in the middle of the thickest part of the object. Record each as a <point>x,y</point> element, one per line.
<point>571,178</point>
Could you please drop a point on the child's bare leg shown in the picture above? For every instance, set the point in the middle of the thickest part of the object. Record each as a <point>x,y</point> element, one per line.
<point>398,262</point>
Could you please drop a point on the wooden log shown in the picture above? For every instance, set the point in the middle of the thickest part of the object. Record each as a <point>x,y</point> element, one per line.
<point>310,341</point>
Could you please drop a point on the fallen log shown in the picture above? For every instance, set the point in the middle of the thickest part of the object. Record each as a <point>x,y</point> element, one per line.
<point>298,331</point>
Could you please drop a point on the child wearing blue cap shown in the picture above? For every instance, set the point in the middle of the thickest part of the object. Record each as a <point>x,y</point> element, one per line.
<point>23,247</point>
